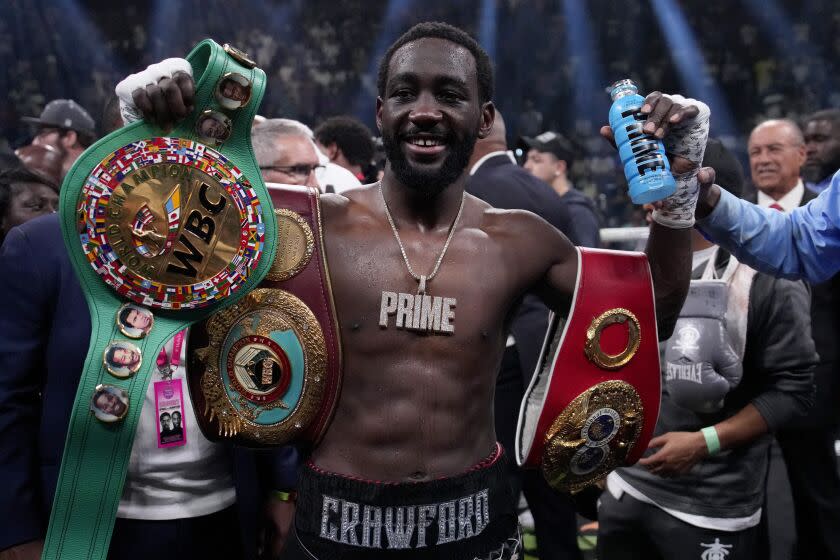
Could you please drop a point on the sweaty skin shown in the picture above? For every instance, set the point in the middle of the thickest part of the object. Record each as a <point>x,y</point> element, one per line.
<point>416,406</point>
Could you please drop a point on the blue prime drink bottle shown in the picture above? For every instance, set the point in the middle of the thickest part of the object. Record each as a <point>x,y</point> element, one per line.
<point>645,166</point>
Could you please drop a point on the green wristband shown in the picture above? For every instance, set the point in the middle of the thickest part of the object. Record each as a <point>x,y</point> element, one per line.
<point>283,496</point>
<point>712,441</point>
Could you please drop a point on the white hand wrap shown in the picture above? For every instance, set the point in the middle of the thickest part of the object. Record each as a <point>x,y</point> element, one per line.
<point>151,75</point>
<point>688,140</point>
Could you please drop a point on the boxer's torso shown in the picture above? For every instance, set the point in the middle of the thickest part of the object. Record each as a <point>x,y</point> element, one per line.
<point>414,405</point>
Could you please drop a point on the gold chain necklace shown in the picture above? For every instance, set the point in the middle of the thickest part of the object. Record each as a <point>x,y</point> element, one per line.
<point>419,312</point>
<point>422,279</point>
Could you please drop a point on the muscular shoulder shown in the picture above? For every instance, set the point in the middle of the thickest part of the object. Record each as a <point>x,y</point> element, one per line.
<point>352,208</point>
<point>525,235</point>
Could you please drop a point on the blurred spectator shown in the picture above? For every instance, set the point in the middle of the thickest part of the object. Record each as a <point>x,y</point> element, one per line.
<point>43,160</point>
<point>822,148</point>
<point>67,127</point>
<point>549,158</point>
<point>349,143</point>
<point>23,196</point>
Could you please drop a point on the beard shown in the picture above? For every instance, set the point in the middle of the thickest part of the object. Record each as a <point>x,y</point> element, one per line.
<point>816,172</point>
<point>429,183</point>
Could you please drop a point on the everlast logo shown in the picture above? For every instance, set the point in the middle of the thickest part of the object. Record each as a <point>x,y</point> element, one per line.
<point>645,148</point>
<point>684,372</point>
<point>404,527</point>
<point>202,227</point>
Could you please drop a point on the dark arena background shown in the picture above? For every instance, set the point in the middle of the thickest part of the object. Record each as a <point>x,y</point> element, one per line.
<point>748,59</point>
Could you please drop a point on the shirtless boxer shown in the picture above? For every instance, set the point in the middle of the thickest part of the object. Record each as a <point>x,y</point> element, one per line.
<point>416,409</point>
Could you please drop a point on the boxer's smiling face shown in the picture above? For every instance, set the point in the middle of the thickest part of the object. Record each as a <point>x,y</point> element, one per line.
<point>431,114</point>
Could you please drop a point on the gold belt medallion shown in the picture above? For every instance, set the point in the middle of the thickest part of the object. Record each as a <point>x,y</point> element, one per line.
<point>592,435</point>
<point>265,367</point>
<point>171,223</point>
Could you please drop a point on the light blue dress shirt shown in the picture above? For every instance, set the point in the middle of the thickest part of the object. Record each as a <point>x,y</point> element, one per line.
<point>804,243</point>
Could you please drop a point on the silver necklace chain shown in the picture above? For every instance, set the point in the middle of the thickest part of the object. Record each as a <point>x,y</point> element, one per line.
<point>422,279</point>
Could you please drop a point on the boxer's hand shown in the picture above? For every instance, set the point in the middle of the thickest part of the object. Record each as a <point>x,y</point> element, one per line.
<point>663,113</point>
<point>162,94</point>
<point>678,452</point>
<point>26,551</point>
<point>709,197</point>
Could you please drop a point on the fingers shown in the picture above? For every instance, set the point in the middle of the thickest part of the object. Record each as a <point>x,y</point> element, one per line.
<point>658,114</point>
<point>168,101</point>
<point>162,115</point>
<point>654,459</point>
<point>187,86</point>
<point>663,113</point>
<point>607,133</point>
<point>173,98</point>
<point>706,177</point>
<point>658,441</point>
<point>143,103</point>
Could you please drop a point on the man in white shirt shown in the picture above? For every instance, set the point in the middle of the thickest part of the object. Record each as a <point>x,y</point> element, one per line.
<point>777,153</point>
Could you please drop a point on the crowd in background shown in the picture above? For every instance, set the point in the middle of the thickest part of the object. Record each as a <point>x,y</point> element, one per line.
<point>320,59</point>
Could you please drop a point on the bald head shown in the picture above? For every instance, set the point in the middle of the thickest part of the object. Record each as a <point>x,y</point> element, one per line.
<point>495,142</point>
<point>777,153</point>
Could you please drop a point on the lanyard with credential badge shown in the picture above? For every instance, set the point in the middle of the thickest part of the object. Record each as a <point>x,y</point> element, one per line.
<point>170,419</point>
<point>167,366</point>
<point>162,229</point>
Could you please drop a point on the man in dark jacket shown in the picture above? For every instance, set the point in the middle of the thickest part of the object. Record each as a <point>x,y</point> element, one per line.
<point>498,180</point>
<point>699,491</point>
<point>549,158</point>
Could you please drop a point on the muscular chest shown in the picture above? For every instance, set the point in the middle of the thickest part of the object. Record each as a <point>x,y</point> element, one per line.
<point>468,298</point>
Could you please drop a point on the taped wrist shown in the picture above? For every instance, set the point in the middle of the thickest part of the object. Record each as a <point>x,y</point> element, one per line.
<point>687,140</point>
<point>151,75</point>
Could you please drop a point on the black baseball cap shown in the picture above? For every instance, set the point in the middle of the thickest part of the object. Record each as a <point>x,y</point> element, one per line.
<point>552,143</point>
<point>66,114</point>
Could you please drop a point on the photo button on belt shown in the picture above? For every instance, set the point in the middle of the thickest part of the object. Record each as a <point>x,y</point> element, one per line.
<point>109,404</point>
<point>122,359</point>
<point>135,321</point>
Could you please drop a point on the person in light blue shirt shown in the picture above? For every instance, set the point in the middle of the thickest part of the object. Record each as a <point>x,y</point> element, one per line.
<point>804,243</point>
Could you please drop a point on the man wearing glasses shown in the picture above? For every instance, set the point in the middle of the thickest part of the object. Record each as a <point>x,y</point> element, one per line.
<point>285,153</point>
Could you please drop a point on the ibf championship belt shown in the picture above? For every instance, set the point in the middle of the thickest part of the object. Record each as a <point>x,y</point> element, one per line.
<point>266,371</point>
<point>593,402</point>
<point>162,230</point>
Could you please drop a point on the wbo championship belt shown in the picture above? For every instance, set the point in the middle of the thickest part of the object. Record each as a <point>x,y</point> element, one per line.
<point>267,370</point>
<point>161,230</point>
<point>593,402</point>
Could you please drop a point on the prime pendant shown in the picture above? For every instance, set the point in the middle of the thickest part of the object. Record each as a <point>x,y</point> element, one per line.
<point>418,312</point>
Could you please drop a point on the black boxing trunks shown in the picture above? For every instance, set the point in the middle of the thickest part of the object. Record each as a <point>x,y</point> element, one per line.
<point>471,516</point>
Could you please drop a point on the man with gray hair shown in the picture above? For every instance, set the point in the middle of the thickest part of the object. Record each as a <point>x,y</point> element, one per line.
<point>328,177</point>
<point>285,152</point>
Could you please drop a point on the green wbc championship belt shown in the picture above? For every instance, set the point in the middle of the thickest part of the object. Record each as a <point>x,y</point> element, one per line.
<point>162,230</point>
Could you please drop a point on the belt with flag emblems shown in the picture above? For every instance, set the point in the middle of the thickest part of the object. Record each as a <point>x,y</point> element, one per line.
<point>162,230</point>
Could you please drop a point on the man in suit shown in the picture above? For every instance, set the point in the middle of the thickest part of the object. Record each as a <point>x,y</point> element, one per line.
<point>777,154</point>
<point>498,180</point>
